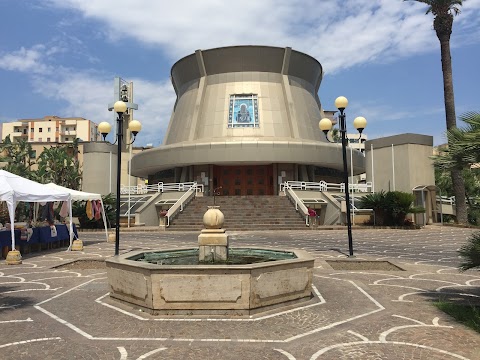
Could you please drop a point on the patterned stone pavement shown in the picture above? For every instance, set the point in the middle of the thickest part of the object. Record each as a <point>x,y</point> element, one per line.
<point>57,313</point>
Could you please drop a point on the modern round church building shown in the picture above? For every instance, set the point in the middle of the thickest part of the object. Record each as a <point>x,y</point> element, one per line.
<point>246,120</point>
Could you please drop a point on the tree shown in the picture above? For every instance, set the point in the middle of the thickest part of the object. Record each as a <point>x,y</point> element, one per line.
<point>443,12</point>
<point>60,165</point>
<point>19,157</point>
<point>335,135</point>
<point>470,253</point>
<point>463,149</point>
<point>462,154</point>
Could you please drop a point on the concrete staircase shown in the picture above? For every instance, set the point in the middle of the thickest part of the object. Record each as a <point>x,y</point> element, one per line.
<point>242,213</point>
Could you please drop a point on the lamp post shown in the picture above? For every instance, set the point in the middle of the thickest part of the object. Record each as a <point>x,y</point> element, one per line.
<point>326,125</point>
<point>104,128</point>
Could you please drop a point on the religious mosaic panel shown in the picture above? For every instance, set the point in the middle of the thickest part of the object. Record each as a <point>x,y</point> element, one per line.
<point>243,111</point>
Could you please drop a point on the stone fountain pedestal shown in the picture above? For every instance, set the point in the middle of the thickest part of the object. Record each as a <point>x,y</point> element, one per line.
<point>213,241</point>
<point>212,286</point>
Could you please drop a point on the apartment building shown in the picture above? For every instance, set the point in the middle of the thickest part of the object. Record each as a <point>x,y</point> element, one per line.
<point>357,141</point>
<point>51,129</point>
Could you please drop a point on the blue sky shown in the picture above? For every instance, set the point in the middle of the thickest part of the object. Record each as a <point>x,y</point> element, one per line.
<point>59,57</point>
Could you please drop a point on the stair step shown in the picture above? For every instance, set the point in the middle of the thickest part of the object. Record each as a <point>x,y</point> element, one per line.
<point>242,213</point>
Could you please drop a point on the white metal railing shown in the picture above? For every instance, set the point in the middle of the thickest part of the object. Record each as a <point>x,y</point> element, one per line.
<point>447,200</point>
<point>130,206</point>
<point>299,205</point>
<point>184,199</point>
<point>324,186</point>
<point>450,200</point>
<point>161,187</point>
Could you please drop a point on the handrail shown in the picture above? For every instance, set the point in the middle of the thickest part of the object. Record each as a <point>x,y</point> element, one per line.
<point>324,186</point>
<point>161,187</point>
<point>298,203</point>
<point>448,200</point>
<point>179,204</point>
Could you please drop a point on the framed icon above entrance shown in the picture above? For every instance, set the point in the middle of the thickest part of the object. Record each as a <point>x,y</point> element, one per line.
<point>243,111</point>
<point>244,180</point>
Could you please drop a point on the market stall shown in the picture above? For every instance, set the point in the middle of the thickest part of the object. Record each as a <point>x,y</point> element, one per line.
<point>83,196</point>
<point>14,188</point>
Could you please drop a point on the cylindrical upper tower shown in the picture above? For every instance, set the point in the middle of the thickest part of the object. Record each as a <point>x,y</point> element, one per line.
<point>278,88</point>
<point>244,105</point>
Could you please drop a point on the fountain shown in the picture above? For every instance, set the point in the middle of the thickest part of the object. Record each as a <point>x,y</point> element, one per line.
<point>211,279</point>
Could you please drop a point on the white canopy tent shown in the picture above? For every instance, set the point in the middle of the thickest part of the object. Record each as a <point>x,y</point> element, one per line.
<point>82,196</point>
<point>14,188</point>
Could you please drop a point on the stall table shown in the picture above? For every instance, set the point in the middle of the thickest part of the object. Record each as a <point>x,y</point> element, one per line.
<point>41,239</point>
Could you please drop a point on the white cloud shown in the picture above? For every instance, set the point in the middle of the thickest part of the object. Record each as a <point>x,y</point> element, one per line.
<point>155,102</point>
<point>339,33</point>
<point>27,60</point>
<point>89,94</point>
<point>376,112</point>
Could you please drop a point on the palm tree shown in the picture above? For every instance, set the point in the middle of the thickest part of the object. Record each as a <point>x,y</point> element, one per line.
<point>443,12</point>
<point>463,154</point>
<point>464,144</point>
<point>60,165</point>
<point>19,157</point>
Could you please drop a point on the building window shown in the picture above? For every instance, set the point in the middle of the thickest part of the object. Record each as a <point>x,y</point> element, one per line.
<point>74,128</point>
<point>56,139</point>
<point>25,131</point>
<point>40,139</point>
<point>48,139</point>
<point>56,129</point>
<point>32,130</point>
<point>49,129</point>
<point>40,129</point>
<point>243,111</point>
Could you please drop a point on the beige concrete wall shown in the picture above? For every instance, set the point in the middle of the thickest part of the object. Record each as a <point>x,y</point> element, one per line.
<point>147,214</point>
<point>243,152</point>
<point>83,130</point>
<point>8,129</point>
<point>99,168</point>
<point>410,165</point>
<point>211,124</point>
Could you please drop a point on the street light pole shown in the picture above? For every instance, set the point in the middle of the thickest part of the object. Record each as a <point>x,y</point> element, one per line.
<point>343,131</point>
<point>119,173</point>
<point>326,125</point>
<point>104,127</point>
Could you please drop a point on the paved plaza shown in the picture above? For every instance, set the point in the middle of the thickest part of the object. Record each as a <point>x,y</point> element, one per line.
<point>51,312</point>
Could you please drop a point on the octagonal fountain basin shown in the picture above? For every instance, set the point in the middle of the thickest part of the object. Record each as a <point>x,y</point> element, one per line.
<point>173,282</point>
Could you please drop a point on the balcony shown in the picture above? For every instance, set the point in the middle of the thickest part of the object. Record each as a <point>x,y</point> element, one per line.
<point>68,133</point>
<point>19,134</point>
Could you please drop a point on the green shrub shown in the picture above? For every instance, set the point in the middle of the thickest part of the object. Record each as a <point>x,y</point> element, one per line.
<point>470,253</point>
<point>399,204</point>
<point>391,208</point>
<point>376,202</point>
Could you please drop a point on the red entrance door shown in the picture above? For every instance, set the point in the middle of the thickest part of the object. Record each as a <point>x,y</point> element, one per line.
<point>244,180</point>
